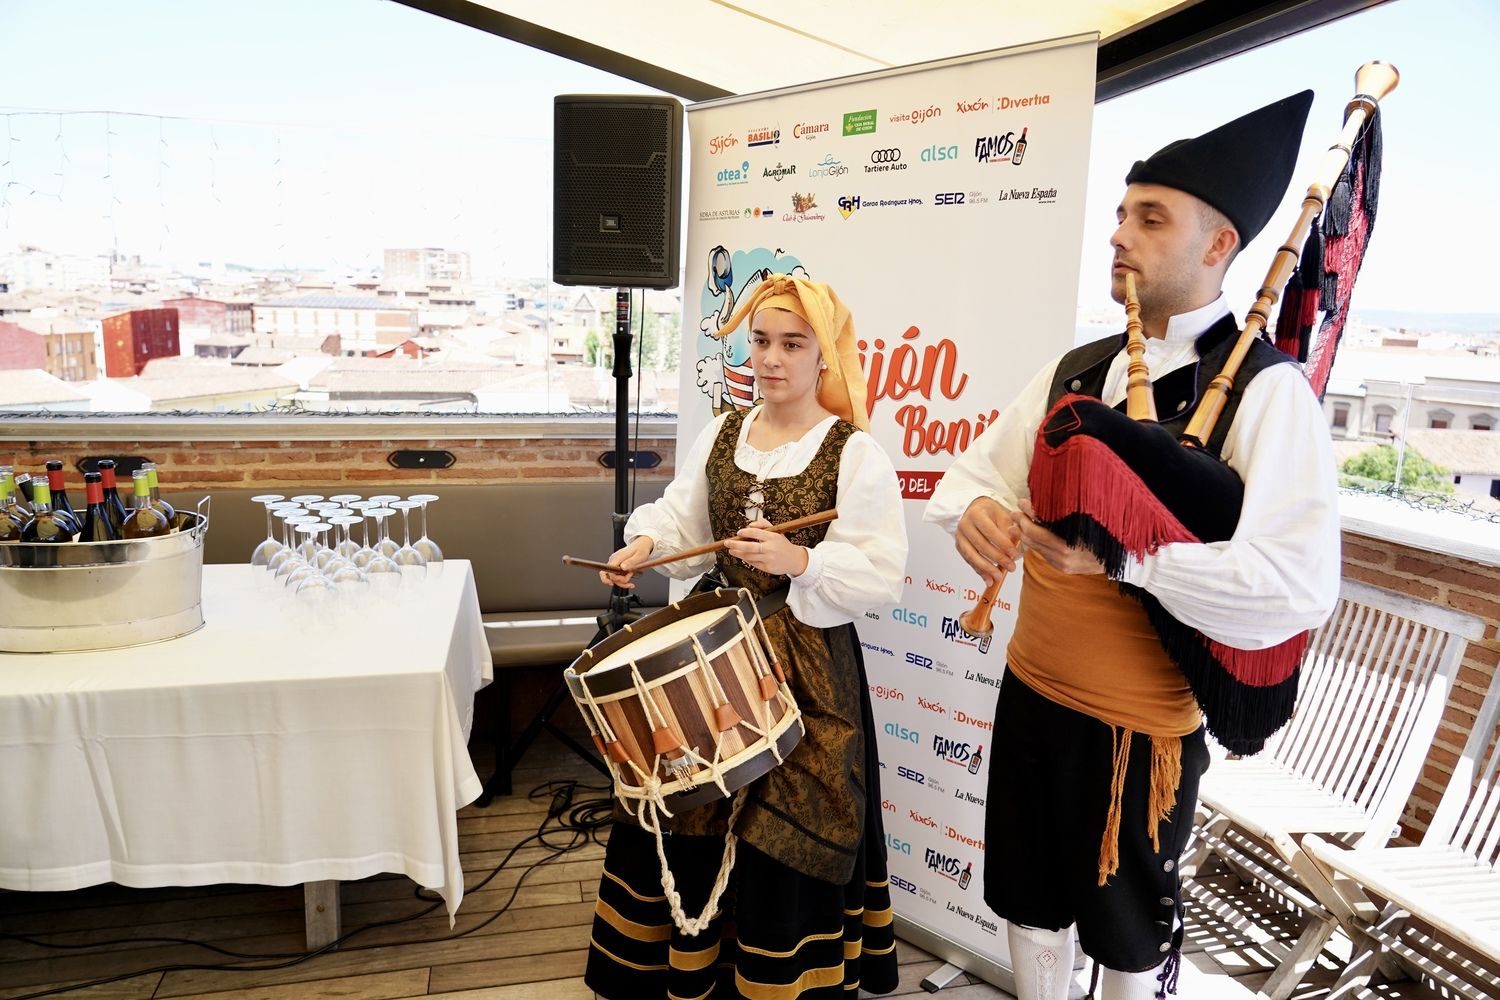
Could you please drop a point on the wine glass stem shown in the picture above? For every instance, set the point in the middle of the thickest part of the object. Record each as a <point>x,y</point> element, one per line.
<point>406,527</point>
<point>270,537</point>
<point>424,519</point>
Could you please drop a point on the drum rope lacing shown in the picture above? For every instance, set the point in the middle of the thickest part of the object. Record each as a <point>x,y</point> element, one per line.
<point>646,815</point>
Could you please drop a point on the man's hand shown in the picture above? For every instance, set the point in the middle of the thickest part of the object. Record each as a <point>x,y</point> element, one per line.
<point>638,551</point>
<point>769,551</point>
<point>1059,554</point>
<point>989,539</point>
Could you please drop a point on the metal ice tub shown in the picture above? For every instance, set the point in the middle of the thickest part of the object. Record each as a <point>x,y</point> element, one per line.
<point>102,595</point>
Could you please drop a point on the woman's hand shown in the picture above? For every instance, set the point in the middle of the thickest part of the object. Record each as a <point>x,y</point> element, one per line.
<point>768,551</point>
<point>638,551</point>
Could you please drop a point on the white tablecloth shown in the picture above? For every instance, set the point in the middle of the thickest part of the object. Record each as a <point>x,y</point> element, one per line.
<point>269,747</point>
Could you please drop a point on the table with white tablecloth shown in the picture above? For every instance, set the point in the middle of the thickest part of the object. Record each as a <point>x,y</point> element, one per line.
<point>282,743</point>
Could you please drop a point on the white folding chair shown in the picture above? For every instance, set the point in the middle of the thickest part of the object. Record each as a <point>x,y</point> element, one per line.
<point>1438,908</point>
<point>1374,682</point>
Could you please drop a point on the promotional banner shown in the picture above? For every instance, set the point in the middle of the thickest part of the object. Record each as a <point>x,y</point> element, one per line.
<point>944,203</point>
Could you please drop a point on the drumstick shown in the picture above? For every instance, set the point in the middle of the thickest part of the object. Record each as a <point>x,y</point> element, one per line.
<point>785,526</point>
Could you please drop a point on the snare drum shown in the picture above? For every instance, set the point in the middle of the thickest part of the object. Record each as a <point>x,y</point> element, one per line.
<point>692,696</point>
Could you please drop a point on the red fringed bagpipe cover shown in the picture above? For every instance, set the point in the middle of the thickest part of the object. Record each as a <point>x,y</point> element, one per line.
<point>1115,486</point>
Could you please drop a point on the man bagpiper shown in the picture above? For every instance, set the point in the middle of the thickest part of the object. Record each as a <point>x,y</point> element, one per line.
<point>1099,741</point>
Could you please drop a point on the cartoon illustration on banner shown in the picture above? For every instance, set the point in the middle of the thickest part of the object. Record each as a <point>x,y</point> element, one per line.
<point>725,374</point>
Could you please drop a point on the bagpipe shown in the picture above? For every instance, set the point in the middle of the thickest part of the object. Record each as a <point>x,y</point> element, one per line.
<point>1121,485</point>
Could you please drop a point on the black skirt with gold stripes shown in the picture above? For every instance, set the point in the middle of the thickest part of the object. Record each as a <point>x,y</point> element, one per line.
<point>779,934</point>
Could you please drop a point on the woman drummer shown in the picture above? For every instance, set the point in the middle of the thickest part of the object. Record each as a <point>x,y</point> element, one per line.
<point>807,912</point>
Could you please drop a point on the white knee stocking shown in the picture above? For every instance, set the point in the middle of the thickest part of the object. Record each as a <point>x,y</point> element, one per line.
<point>1043,961</point>
<point>1116,985</point>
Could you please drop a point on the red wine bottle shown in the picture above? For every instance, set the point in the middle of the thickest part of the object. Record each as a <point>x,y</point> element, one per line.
<point>113,505</point>
<point>96,526</point>
<point>60,500</point>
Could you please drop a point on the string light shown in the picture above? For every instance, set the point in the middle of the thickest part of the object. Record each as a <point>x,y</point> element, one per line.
<point>161,169</point>
<point>62,160</point>
<point>109,175</point>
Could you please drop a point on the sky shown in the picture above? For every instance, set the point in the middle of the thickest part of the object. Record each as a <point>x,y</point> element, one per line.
<point>312,134</point>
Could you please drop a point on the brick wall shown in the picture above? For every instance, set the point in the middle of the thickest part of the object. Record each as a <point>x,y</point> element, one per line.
<point>284,465</point>
<point>209,465</point>
<point>1451,582</point>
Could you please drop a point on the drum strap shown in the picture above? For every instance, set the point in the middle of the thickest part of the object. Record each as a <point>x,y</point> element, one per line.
<point>773,602</point>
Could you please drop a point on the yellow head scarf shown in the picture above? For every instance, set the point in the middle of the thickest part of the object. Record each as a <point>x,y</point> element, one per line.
<point>842,389</point>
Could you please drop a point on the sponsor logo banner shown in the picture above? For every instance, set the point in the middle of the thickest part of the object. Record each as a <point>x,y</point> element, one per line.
<point>828,167</point>
<point>859,122</point>
<point>918,484</point>
<point>834,165</point>
<point>728,176</point>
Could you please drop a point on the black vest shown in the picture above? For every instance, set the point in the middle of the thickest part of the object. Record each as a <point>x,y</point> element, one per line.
<point>1084,369</point>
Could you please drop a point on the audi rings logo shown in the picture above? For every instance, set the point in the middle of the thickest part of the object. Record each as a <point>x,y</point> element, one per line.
<point>885,156</point>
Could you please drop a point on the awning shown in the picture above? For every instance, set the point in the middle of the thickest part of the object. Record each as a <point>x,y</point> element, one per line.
<point>701,49</point>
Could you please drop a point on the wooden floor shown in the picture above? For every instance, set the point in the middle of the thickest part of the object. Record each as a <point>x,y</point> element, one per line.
<point>533,950</point>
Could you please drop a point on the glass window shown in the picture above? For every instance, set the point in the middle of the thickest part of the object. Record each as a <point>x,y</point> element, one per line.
<point>254,191</point>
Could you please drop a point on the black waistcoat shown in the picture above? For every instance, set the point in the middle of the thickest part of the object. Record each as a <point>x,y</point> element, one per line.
<point>1083,370</point>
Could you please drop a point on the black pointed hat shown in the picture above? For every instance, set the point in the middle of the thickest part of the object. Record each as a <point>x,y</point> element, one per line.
<point>1241,168</point>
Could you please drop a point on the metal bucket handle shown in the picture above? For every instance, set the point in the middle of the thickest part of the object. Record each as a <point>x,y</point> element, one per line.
<point>205,505</point>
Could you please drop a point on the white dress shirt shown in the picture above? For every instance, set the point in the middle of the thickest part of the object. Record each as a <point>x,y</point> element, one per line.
<point>859,565</point>
<point>1279,574</point>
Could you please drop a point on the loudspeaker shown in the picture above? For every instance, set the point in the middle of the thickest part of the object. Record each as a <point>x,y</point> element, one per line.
<point>616,190</point>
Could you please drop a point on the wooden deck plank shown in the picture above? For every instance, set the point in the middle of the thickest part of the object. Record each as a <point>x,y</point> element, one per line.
<point>519,942</point>
<point>135,988</point>
<point>555,989</point>
<point>529,968</point>
<point>536,950</point>
<point>378,986</point>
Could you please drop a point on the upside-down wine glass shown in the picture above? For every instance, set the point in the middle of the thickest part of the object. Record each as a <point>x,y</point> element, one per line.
<point>297,560</point>
<point>383,571</point>
<point>284,512</point>
<point>426,545</point>
<point>385,544</point>
<point>314,584</point>
<point>409,559</point>
<point>271,545</point>
<point>347,577</point>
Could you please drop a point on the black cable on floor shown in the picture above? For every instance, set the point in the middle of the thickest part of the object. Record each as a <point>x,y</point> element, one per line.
<point>582,822</point>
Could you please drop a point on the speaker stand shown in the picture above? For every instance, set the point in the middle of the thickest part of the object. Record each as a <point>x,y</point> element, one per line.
<point>624,606</point>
